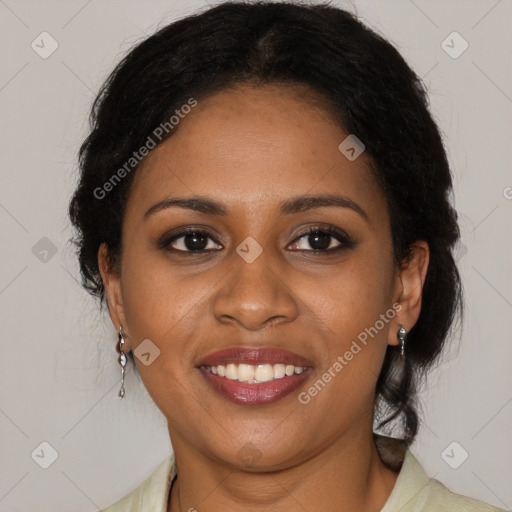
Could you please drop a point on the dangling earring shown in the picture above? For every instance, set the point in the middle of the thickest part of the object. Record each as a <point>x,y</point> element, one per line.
<point>122,361</point>
<point>401,334</point>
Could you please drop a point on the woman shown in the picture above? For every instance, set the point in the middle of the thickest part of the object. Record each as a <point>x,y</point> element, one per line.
<point>263,204</point>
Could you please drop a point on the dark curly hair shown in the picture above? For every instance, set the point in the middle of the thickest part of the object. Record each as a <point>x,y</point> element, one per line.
<point>370,91</point>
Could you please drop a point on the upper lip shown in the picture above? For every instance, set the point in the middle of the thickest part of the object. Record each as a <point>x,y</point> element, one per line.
<point>254,356</point>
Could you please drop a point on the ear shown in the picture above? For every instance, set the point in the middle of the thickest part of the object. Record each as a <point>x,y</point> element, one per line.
<point>408,289</point>
<point>113,291</point>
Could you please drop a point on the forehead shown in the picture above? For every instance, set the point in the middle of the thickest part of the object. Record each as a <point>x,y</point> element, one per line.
<point>255,146</point>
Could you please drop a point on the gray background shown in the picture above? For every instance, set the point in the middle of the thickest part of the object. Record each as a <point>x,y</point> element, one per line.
<point>58,365</point>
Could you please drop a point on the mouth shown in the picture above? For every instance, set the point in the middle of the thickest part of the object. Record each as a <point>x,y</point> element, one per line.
<point>255,376</point>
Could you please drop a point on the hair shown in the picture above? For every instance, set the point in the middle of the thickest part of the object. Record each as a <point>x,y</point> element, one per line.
<point>372,93</point>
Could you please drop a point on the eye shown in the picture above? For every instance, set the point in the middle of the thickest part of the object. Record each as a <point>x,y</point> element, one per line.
<point>190,240</point>
<point>323,240</point>
<point>320,240</point>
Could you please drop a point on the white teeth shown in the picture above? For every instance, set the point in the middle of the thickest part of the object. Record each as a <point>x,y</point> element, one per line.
<point>231,372</point>
<point>245,372</point>
<point>264,373</point>
<point>253,374</point>
<point>279,371</point>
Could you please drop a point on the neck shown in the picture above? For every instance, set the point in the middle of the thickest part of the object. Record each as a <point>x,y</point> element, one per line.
<point>346,475</point>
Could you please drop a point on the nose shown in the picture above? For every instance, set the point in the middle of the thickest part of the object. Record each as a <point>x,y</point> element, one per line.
<point>254,295</point>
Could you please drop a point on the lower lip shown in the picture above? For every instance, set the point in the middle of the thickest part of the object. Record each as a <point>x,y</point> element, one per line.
<point>255,394</point>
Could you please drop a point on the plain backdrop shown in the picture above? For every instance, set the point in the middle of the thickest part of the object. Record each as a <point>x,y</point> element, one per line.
<point>58,365</point>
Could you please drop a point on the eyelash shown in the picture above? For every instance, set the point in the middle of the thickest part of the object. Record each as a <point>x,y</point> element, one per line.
<point>345,241</point>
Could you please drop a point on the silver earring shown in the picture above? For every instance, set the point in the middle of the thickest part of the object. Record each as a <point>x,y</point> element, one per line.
<point>122,361</point>
<point>401,334</point>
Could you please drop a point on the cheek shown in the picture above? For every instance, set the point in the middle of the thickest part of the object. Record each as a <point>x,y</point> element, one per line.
<point>356,311</point>
<point>156,297</point>
<point>354,295</point>
<point>163,307</point>
<point>355,306</point>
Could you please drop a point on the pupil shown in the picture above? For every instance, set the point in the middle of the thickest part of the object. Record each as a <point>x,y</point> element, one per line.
<point>195,241</point>
<point>319,241</point>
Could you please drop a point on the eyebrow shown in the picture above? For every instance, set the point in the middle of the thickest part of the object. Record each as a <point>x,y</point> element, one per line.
<point>295,205</point>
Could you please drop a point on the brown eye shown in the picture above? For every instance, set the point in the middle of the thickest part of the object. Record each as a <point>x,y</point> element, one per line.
<point>322,240</point>
<point>190,240</point>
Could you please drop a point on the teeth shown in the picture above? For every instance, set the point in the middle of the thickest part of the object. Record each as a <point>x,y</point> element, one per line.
<point>264,373</point>
<point>279,371</point>
<point>245,372</point>
<point>231,372</point>
<point>253,374</point>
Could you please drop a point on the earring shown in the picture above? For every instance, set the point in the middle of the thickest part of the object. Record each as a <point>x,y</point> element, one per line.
<point>122,361</point>
<point>401,334</point>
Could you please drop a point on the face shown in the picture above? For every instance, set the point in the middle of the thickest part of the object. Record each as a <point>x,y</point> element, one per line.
<point>260,273</point>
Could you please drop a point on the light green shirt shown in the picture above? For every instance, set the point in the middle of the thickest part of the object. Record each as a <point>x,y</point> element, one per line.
<point>414,491</point>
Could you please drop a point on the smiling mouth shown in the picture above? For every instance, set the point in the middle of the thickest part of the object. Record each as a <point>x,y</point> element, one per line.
<point>281,381</point>
<point>255,374</point>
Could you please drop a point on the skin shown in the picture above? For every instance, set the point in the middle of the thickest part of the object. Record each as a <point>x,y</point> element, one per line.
<point>251,149</point>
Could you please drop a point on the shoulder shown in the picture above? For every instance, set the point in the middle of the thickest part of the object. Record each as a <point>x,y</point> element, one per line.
<point>152,494</point>
<point>437,497</point>
<point>414,491</point>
